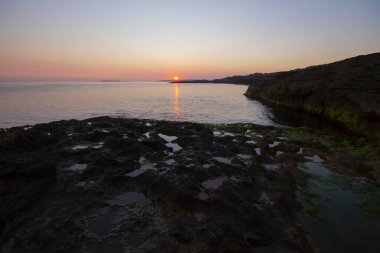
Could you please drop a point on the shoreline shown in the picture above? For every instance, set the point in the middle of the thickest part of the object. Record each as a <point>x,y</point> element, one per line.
<point>102,182</point>
<point>344,92</point>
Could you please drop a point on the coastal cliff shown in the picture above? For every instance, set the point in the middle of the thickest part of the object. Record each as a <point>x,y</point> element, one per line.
<point>345,92</point>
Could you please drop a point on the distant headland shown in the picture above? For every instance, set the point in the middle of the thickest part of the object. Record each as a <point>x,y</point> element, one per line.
<point>345,92</point>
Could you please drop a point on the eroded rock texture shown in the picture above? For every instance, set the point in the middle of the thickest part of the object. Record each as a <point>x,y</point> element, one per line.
<point>119,185</point>
<point>345,92</point>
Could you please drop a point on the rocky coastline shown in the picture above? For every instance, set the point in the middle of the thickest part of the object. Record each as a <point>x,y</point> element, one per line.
<point>128,185</point>
<point>346,92</point>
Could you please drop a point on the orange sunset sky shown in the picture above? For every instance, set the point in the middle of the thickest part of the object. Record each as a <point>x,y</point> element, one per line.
<point>154,40</point>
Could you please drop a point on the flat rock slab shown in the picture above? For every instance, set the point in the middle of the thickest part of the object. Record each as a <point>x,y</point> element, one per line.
<point>104,185</point>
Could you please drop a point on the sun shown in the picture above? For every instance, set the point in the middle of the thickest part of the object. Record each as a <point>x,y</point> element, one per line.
<point>176,78</point>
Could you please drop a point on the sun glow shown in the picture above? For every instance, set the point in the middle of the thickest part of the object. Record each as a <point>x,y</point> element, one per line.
<point>176,78</point>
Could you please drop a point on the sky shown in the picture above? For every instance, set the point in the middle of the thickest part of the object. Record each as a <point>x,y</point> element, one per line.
<point>73,40</point>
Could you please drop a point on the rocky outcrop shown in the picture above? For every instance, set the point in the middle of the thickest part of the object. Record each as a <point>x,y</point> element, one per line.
<point>248,79</point>
<point>124,185</point>
<point>345,92</point>
<point>121,185</point>
<point>237,79</point>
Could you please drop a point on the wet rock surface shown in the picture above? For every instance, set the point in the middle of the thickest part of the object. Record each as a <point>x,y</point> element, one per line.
<point>115,185</point>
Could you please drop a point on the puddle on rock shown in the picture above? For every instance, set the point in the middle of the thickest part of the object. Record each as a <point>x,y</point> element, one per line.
<point>78,167</point>
<point>142,160</point>
<point>271,167</point>
<point>98,145</point>
<point>244,157</point>
<point>314,158</point>
<point>217,133</point>
<point>222,160</point>
<point>279,153</point>
<point>143,168</point>
<point>213,184</point>
<point>131,198</point>
<point>167,138</point>
<point>237,179</point>
<point>258,151</point>
<point>175,147</point>
<point>274,144</point>
<point>334,216</point>
<point>79,147</point>
<point>222,134</point>
<point>85,184</point>
<point>316,169</point>
<point>135,173</point>
<point>206,166</point>
<point>170,162</point>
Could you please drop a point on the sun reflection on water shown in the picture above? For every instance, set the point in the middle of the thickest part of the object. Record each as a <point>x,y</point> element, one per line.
<point>176,98</point>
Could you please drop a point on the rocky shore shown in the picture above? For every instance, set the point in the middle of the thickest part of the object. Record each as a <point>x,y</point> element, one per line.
<point>125,185</point>
<point>345,92</point>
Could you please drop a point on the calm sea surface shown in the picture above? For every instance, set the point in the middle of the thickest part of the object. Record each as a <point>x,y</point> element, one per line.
<point>31,103</point>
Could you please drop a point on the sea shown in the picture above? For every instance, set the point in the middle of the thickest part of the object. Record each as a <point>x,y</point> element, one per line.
<point>27,103</point>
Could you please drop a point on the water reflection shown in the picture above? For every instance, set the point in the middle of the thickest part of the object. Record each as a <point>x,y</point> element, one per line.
<point>176,104</point>
<point>30,103</point>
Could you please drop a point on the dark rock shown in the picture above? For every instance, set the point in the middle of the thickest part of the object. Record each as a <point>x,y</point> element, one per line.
<point>345,92</point>
<point>56,199</point>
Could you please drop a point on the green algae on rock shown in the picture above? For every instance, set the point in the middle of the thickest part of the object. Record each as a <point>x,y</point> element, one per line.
<point>354,155</point>
<point>105,185</point>
<point>345,92</point>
